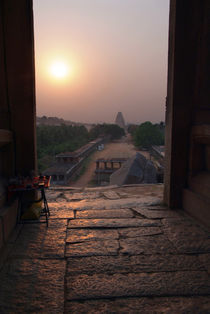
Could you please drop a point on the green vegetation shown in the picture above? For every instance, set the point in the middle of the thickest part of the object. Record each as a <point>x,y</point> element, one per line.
<point>132,128</point>
<point>148,134</point>
<point>111,130</point>
<point>52,140</point>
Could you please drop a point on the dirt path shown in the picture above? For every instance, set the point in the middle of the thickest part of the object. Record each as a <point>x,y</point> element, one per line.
<point>121,149</point>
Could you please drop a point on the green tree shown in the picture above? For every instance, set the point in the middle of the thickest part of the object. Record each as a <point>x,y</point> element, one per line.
<point>111,130</point>
<point>132,128</point>
<point>52,140</point>
<point>148,134</point>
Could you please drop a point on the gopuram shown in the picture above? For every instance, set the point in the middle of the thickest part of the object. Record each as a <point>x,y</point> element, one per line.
<point>120,120</point>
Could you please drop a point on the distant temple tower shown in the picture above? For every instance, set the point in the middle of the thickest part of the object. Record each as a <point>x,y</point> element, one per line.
<point>120,120</point>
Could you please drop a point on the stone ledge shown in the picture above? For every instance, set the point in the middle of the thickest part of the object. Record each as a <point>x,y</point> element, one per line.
<point>8,218</point>
<point>1,233</point>
<point>112,223</point>
<point>169,305</point>
<point>99,286</point>
<point>197,206</point>
<point>136,264</point>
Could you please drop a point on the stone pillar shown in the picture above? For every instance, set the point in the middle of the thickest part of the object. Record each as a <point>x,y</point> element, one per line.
<point>19,83</point>
<point>184,31</point>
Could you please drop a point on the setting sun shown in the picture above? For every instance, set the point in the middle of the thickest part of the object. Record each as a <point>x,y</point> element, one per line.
<point>59,69</point>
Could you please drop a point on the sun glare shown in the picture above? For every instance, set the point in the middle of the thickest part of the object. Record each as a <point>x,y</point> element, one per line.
<point>59,69</point>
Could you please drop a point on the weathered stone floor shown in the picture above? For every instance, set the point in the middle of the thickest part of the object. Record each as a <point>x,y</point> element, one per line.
<point>108,251</point>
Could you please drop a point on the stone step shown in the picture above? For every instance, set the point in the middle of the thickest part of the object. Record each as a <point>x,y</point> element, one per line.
<point>200,184</point>
<point>92,248</point>
<point>135,263</point>
<point>113,223</point>
<point>108,213</point>
<point>198,304</point>
<point>197,206</point>
<point>179,283</point>
<point>147,245</point>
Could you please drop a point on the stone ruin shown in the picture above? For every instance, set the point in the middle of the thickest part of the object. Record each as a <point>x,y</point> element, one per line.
<point>135,170</point>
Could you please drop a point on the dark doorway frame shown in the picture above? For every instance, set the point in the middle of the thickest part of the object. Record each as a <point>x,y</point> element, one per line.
<point>187,92</point>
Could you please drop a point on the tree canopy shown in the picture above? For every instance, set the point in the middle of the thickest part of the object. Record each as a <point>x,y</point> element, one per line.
<point>132,128</point>
<point>52,140</point>
<point>112,130</point>
<point>148,134</point>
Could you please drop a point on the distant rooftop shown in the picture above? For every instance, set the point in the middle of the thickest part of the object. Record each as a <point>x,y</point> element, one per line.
<point>58,169</point>
<point>80,150</point>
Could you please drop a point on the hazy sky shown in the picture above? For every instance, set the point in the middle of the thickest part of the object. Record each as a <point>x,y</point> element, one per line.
<point>115,55</point>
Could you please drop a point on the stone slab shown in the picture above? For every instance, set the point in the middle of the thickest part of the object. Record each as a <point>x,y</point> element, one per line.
<point>108,213</point>
<point>60,210</point>
<point>141,284</point>
<point>81,235</point>
<point>111,195</point>
<point>52,195</point>
<point>64,188</point>
<point>92,248</point>
<point>166,305</point>
<point>183,221</point>
<point>133,264</point>
<point>122,194</point>
<point>61,197</point>
<point>139,232</point>
<point>146,245</point>
<point>186,231</point>
<point>82,196</point>
<point>112,204</point>
<point>32,286</point>
<point>157,214</point>
<point>112,223</point>
<point>191,246</point>
<point>101,188</point>
<point>38,241</point>
<point>156,207</point>
<point>187,236</point>
<point>75,197</point>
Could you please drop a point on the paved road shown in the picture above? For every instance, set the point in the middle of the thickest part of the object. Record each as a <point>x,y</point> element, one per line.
<point>120,149</point>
